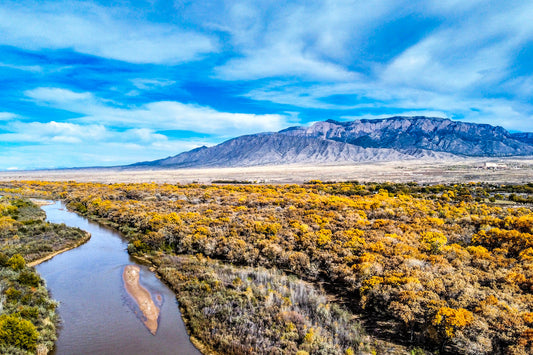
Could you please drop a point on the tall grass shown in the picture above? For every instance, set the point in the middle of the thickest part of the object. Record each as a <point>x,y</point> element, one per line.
<point>253,310</point>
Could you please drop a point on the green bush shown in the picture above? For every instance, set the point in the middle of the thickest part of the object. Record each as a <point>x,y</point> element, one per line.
<point>17,332</point>
<point>13,294</point>
<point>30,313</point>
<point>29,278</point>
<point>3,259</point>
<point>17,262</point>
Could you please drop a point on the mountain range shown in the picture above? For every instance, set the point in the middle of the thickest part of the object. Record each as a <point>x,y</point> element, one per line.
<point>333,142</point>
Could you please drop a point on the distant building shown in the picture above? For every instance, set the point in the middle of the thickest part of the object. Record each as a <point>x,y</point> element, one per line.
<point>491,165</point>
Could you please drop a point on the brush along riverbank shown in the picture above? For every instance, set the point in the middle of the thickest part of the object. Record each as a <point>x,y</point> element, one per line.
<point>27,313</point>
<point>445,268</point>
<point>253,310</point>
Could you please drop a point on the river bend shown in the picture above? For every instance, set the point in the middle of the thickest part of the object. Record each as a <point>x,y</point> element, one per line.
<point>97,315</point>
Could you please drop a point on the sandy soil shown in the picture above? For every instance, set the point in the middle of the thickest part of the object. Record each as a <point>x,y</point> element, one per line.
<point>513,170</point>
<point>40,202</point>
<point>141,296</point>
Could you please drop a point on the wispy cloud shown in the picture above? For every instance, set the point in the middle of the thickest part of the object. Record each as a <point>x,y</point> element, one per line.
<point>305,40</point>
<point>149,84</point>
<point>61,155</point>
<point>162,115</point>
<point>52,132</point>
<point>133,76</point>
<point>38,145</point>
<point>479,50</point>
<point>91,29</point>
<point>4,116</point>
<point>426,113</point>
<point>30,68</point>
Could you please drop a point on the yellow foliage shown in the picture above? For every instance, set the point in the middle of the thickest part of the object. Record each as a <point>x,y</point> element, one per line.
<point>452,319</point>
<point>368,284</point>
<point>354,237</point>
<point>367,258</point>
<point>526,254</point>
<point>478,251</point>
<point>433,241</point>
<point>323,237</point>
<point>310,336</point>
<point>377,247</point>
<point>528,318</point>
<point>515,277</point>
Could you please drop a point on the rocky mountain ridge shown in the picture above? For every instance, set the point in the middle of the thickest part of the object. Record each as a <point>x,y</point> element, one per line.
<point>332,142</point>
<point>435,134</point>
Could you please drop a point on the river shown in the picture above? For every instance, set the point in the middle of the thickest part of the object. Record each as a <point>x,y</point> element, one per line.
<point>97,314</point>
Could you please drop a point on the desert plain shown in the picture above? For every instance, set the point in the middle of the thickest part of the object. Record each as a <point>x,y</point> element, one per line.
<point>517,170</point>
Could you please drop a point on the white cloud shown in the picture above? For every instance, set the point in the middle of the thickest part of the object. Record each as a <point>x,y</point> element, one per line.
<point>281,60</point>
<point>59,96</point>
<point>309,96</point>
<point>162,115</point>
<point>30,68</point>
<point>53,132</point>
<point>105,32</point>
<point>149,84</point>
<point>61,144</point>
<point>105,153</point>
<point>6,116</point>
<point>143,136</point>
<point>476,48</point>
<point>378,96</point>
<point>466,54</point>
<point>175,115</point>
<point>305,40</point>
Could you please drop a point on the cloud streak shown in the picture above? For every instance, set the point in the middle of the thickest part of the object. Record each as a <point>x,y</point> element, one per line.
<point>148,78</point>
<point>98,31</point>
<point>162,115</point>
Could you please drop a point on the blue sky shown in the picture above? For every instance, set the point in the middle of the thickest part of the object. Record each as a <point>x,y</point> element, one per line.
<point>89,83</point>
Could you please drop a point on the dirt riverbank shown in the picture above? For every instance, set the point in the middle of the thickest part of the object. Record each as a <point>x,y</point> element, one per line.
<point>50,256</point>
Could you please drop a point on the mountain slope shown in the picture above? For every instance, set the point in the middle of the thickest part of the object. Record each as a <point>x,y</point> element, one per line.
<point>441,135</point>
<point>523,137</point>
<point>276,148</point>
<point>331,142</point>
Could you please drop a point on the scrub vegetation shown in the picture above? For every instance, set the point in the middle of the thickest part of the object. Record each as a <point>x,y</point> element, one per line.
<point>443,268</point>
<point>246,310</point>
<point>27,314</point>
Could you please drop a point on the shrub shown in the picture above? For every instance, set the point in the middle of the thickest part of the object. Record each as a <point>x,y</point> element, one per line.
<point>17,332</point>
<point>13,294</point>
<point>29,278</point>
<point>3,259</point>
<point>17,262</point>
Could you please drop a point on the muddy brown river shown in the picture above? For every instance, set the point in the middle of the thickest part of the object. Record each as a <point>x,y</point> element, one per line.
<point>97,315</point>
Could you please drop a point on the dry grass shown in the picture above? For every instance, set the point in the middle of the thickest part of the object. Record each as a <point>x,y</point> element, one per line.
<point>518,170</point>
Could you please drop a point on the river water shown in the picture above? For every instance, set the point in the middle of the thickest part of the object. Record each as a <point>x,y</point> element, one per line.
<point>97,315</point>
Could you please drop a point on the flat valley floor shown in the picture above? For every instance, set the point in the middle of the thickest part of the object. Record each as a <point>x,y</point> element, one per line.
<point>502,171</point>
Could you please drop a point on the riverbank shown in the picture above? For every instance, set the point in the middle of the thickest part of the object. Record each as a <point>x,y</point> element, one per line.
<point>394,253</point>
<point>194,271</point>
<point>50,256</point>
<point>26,239</point>
<point>97,315</point>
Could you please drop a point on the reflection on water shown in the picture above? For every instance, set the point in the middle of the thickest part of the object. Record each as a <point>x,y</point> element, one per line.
<point>87,281</point>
